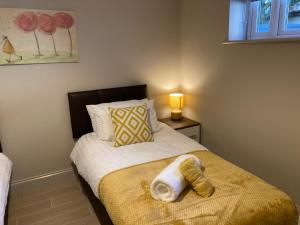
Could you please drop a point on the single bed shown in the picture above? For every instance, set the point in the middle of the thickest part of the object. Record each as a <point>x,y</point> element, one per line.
<point>117,180</point>
<point>5,173</point>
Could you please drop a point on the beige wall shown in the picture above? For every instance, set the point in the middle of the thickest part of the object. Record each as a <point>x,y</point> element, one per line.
<point>120,42</point>
<point>246,96</point>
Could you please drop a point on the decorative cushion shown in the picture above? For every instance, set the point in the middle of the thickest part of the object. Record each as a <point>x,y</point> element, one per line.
<point>131,125</point>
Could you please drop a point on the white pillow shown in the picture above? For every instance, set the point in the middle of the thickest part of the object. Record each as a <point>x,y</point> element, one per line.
<point>101,120</point>
<point>155,126</point>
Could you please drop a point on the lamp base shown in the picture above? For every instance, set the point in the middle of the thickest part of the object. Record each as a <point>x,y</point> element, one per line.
<point>176,115</point>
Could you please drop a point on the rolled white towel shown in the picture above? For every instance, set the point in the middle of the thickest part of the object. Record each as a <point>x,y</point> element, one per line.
<point>168,185</point>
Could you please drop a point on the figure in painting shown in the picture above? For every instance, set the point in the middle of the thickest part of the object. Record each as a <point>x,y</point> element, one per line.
<point>9,49</point>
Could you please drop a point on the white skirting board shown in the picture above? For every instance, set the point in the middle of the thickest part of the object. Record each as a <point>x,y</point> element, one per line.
<point>43,176</point>
<point>63,177</point>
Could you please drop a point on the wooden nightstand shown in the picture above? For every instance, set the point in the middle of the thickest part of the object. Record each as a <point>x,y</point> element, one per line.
<point>188,127</point>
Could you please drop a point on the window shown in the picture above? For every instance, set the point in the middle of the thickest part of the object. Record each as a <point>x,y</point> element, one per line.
<point>264,19</point>
<point>263,10</point>
<point>290,21</point>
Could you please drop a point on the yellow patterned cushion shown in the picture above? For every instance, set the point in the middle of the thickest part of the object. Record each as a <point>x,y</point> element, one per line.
<point>131,125</point>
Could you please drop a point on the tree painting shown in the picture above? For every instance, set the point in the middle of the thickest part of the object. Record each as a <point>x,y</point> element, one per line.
<point>28,22</point>
<point>66,21</point>
<point>53,36</point>
<point>48,26</point>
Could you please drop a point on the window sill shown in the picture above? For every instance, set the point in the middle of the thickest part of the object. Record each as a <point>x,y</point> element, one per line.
<point>262,41</point>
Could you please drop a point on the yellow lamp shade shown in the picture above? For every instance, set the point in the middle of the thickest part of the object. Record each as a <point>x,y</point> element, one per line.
<point>176,104</point>
<point>176,101</point>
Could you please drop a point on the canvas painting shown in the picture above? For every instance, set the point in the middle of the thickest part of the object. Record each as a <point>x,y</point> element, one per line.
<point>37,36</point>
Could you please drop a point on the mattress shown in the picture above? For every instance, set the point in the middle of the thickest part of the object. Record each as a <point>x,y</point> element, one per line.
<point>95,159</point>
<point>5,173</point>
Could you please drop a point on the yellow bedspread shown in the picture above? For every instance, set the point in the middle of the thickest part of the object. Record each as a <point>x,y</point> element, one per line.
<point>240,198</point>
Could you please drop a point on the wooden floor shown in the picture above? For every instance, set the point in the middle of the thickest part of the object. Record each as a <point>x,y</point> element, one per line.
<point>55,205</point>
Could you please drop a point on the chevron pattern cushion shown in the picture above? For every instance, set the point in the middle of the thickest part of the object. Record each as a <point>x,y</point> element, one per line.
<point>131,125</point>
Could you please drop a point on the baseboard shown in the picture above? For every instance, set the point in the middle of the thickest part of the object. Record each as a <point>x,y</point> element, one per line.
<point>57,178</point>
<point>41,177</point>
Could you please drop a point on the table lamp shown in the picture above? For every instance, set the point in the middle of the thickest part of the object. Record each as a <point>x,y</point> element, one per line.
<point>176,104</point>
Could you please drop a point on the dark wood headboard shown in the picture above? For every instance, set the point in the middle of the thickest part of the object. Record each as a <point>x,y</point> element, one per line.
<point>80,120</point>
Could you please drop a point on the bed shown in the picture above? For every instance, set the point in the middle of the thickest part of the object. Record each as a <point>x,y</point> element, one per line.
<point>117,181</point>
<point>5,173</point>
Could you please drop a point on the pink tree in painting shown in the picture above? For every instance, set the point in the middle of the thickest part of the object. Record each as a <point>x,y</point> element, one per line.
<point>65,21</point>
<point>28,22</point>
<point>48,26</point>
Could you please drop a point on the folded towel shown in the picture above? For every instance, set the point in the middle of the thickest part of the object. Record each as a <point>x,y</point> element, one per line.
<point>193,174</point>
<point>168,185</point>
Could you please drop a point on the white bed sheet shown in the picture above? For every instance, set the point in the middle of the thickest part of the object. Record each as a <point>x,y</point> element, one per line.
<point>95,158</point>
<point>5,173</point>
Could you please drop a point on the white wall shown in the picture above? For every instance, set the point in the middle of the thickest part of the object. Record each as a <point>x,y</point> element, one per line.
<point>120,42</point>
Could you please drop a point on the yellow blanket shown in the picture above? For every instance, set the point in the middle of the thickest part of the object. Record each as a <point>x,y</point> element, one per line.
<point>240,198</point>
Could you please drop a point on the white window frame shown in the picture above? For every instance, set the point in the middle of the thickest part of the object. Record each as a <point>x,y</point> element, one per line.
<point>253,19</point>
<point>244,15</point>
<point>238,19</point>
<point>282,32</point>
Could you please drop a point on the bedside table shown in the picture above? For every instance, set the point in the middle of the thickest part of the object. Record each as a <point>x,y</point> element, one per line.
<point>189,128</point>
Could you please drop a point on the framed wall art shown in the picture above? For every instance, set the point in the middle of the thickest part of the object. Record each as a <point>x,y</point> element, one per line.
<point>37,36</point>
